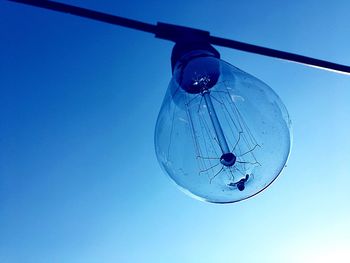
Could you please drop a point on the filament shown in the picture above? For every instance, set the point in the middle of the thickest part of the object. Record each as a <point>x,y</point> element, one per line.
<point>217,127</point>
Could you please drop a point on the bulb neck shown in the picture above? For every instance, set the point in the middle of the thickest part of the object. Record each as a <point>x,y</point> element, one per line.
<point>196,66</point>
<point>185,51</point>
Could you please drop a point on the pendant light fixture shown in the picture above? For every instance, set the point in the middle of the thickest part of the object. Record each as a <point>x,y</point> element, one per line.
<point>222,135</point>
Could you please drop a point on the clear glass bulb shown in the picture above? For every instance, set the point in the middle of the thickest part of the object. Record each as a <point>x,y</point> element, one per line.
<point>222,135</point>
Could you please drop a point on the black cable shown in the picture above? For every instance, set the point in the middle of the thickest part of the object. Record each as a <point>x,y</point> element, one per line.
<point>177,33</point>
<point>279,54</point>
<point>87,13</point>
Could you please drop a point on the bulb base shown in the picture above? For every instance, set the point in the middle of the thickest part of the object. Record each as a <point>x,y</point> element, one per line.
<point>184,48</point>
<point>196,66</point>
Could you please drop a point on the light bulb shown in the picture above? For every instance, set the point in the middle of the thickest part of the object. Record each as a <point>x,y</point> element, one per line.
<point>222,135</point>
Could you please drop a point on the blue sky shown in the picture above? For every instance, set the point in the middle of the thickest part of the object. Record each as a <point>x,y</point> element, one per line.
<point>79,180</point>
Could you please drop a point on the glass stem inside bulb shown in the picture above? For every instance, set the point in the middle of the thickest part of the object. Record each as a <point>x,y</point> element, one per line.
<point>227,158</point>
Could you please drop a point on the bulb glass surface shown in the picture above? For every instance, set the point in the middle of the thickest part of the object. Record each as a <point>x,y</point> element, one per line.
<point>230,155</point>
